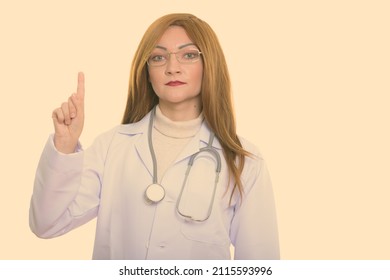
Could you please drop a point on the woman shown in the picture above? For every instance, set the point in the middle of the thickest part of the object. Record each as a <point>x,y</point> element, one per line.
<point>174,181</point>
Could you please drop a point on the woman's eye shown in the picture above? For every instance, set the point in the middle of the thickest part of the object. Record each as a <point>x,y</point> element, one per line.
<point>190,55</point>
<point>157,57</point>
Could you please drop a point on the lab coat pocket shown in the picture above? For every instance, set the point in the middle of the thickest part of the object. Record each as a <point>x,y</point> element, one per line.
<point>206,232</point>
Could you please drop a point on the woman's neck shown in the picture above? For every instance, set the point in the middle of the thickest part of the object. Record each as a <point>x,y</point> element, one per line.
<point>180,112</point>
<point>176,129</point>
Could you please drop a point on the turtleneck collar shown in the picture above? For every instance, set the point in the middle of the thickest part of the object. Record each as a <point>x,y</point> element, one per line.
<point>176,129</point>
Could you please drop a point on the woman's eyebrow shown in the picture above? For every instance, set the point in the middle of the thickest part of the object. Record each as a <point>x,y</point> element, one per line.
<point>180,47</point>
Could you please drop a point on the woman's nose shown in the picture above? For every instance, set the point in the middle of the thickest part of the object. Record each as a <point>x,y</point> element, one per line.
<point>173,65</point>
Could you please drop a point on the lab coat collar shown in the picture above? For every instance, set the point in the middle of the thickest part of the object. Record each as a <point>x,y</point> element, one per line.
<point>199,141</point>
<point>141,127</point>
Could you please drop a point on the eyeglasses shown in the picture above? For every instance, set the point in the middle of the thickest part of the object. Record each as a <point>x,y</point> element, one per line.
<point>184,56</point>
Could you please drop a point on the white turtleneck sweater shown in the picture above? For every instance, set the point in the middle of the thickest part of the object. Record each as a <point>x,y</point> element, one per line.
<point>170,137</point>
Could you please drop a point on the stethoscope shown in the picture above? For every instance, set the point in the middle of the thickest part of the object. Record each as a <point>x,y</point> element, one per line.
<point>155,192</point>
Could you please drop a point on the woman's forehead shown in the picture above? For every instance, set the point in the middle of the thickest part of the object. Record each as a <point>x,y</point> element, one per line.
<point>175,37</point>
<point>179,47</point>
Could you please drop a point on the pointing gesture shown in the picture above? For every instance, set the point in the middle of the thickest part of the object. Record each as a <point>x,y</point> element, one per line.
<point>68,120</point>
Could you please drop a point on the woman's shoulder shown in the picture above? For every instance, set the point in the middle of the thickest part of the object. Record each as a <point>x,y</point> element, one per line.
<point>251,148</point>
<point>255,164</point>
<point>126,129</point>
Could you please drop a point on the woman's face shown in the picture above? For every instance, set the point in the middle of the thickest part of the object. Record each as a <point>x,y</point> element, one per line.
<point>176,83</point>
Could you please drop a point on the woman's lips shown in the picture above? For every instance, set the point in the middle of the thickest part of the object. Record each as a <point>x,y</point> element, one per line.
<point>174,83</point>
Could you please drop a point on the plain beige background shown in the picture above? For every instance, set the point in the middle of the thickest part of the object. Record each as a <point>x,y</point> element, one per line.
<point>311,89</point>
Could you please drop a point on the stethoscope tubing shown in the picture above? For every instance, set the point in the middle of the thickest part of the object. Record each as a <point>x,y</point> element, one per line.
<point>155,187</point>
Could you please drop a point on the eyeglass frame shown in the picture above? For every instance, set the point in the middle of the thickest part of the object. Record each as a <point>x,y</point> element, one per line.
<point>175,53</point>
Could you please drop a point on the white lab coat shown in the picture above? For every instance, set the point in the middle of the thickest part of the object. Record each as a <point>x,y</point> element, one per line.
<point>108,181</point>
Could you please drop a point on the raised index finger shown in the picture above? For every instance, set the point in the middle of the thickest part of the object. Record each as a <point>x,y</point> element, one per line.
<point>78,96</point>
<point>80,85</point>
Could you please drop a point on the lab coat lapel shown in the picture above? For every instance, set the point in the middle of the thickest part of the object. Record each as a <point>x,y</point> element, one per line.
<point>191,148</point>
<point>140,130</point>
<point>142,147</point>
<point>199,141</point>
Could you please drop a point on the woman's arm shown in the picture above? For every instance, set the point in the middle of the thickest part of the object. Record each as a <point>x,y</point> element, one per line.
<point>67,183</point>
<point>254,231</point>
<point>66,190</point>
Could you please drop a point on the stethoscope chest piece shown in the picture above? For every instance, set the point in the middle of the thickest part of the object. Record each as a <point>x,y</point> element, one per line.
<point>154,193</point>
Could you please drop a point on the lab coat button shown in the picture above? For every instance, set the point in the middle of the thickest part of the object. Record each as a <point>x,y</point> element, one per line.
<point>162,245</point>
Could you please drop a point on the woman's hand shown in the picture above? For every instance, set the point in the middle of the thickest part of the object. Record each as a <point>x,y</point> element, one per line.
<point>69,120</point>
